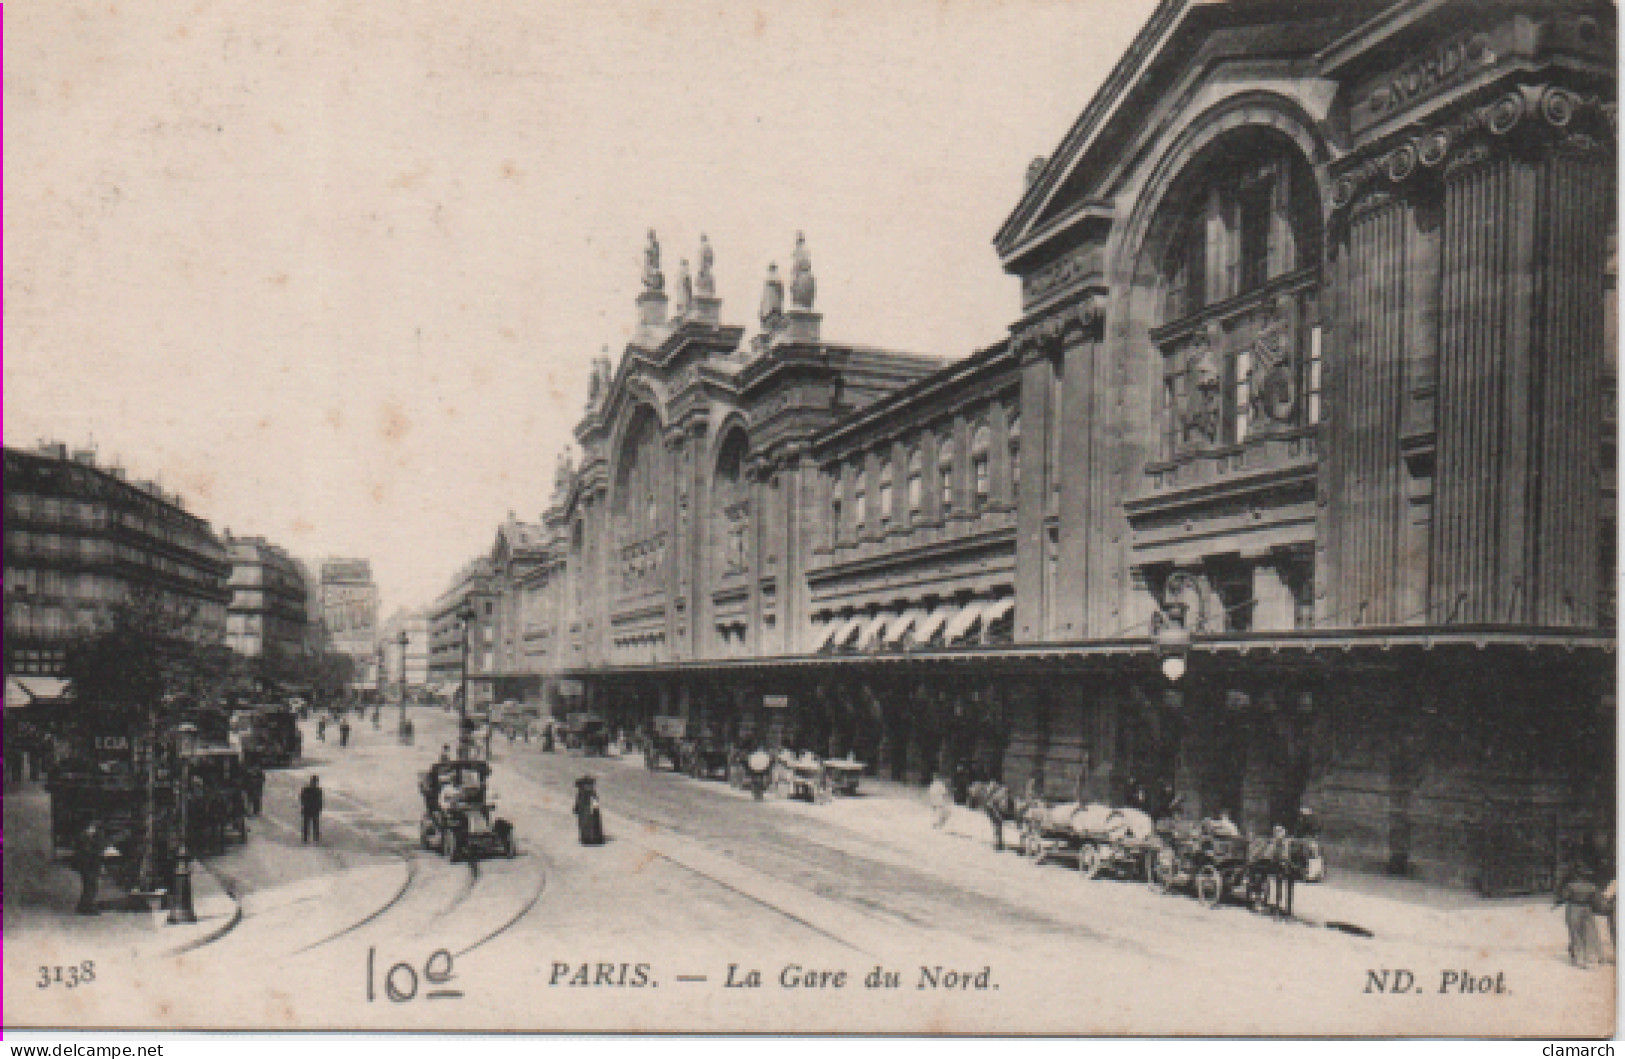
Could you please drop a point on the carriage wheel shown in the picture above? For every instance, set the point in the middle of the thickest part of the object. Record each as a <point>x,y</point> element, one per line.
<point>1156,874</point>
<point>1089,860</point>
<point>1209,886</point>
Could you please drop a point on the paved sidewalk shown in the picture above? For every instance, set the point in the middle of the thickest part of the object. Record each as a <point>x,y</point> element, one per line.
<point>41,893</point>
<point>1394,909</point>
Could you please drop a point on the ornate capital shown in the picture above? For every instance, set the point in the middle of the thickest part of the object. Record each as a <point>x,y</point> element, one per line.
<point>1473,135</point>
<point>1080,320</point>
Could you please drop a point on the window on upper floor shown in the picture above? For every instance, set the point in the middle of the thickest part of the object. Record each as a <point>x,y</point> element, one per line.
<point>885,493</point>
<point>916,482</point>
<point>837,505</point>
<point>1013,436</point>
<point>945,472</point>
<point>980,463</point>
<point>860,501</point>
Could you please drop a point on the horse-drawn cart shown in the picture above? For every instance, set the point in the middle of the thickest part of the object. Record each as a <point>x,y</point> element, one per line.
<point>1212,859</point>
<point>1120,842</point>
<point>844,776</point>
<point>802,777</point>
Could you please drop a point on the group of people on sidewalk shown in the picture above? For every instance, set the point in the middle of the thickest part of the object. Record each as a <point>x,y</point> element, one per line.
<point>1588,892</point>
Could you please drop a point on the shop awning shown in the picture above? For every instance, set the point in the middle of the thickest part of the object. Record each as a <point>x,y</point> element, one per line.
<point>848,630</point>
<point>26,691</point>
<point>929,625</point>
<point>825,631</point>
<point>963,621</point>
<point>905,621</point>
<point>874,628</point>
<point>998,610</point>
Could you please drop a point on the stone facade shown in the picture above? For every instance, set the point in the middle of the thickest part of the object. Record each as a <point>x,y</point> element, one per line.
<point>80,537</point>
<point>267,613</point>
<point>1311,362</point>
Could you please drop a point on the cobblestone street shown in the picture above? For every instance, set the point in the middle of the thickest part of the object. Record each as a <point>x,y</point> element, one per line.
<point>700,885</point>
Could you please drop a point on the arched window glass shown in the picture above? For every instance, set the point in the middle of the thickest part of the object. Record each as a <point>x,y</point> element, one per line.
<point>837,503</point>
<point>981,443</point>
<point>945,472</point>
<point>1014,440</point>
<point>916,483</point>
<point>860,500</point>
<point>885,492</point>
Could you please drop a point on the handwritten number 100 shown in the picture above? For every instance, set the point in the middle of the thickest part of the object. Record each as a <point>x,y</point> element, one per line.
<point>401,981</point>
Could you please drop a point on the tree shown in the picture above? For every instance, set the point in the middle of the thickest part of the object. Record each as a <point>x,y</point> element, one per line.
<point>149,654</point>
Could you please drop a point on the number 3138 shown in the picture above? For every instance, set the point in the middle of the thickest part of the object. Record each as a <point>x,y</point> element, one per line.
<point>70,975</point>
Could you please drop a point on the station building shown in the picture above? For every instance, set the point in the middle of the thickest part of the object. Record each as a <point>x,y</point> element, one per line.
<point>1314,370</point>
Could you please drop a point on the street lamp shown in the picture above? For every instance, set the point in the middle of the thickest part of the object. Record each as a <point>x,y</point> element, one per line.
<point>180,903</point>
<point>464,747</point>
<point>1173,641</point>
<point>401,640</point>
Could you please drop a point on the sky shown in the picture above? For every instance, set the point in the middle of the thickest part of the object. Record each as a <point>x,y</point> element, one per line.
<point>335,270</point>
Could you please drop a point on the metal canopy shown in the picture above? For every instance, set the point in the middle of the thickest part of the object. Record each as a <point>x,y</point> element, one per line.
<point>1364,648</point>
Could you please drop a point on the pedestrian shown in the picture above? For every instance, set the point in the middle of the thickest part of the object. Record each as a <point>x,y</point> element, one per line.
<point>254,787</point>
<point>1577,895</point>
<point>940,802</point>
<point>87,861</point>
<point>547,739</point>
<point>344,732</point>
<point>589,816</point>
<point>310,808</point>
<point>321,728</point>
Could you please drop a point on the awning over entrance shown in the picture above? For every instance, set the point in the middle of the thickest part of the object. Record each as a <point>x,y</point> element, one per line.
<point>873,629</point>
<point>825,633</point>
<point>843,638</point>
<point>998,610</point>
<point>26,691</point>
<point>905,621</point>
<point>963,621</point>
<point>928,626</point>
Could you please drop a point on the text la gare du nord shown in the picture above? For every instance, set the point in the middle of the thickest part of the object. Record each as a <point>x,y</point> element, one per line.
<point>789,976</point>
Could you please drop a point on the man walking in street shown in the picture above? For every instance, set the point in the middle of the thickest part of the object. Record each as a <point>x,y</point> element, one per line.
<point>254,787</point>
<point>310,807</point>
<point>87,861</point>
<point>344,731</point>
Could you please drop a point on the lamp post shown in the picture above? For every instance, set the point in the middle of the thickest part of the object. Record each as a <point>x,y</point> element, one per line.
<point>180,904</point>
<point>1173,641</point>
<point>464,747</point>
<point>401,641</point>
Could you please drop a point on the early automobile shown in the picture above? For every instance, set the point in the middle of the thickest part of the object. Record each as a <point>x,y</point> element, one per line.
<point>665,743</point>
<point>459,812</point>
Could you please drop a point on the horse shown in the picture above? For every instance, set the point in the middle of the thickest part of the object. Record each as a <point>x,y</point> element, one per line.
<point>1275,866</point>
<point>995,799</point>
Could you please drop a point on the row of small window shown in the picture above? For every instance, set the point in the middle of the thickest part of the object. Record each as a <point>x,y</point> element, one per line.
<point>89,549</point>
<point>54,509</point>
<point>24,618</point>
<point>61,585</point>
<point>981,475</point>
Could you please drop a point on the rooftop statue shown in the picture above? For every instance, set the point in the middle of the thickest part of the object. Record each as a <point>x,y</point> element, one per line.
<point>772,299</point>
<point>802,285</point>
<point>685,288</point>
<point>707,283</point>
<point>653,278</point>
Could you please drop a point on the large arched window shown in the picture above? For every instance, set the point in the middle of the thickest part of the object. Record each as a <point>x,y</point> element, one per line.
<point>1237,244</point>
<point>860,498</point>
<point>916,482</point>
<point>731,502</point>
<point>885,493</point>
<point>945,471</point>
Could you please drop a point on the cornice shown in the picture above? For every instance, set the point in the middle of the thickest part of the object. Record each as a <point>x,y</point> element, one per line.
<point>1544,111</point>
